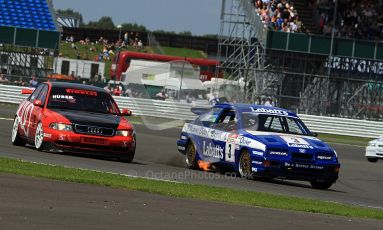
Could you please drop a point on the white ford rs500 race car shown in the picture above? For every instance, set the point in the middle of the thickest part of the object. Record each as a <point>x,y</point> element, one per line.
<point>374,150</point>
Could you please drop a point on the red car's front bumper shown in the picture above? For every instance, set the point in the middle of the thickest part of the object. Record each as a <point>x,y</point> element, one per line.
<point>90,144</point>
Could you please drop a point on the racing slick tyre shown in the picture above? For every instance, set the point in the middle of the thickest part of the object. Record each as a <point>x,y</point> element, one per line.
<point>16,139</point>
<point>244,166</point>
<point>321,184</point>
<point>191,156</point>
<point>373,160</point>
<point>129,156</point>
<point>39,137</point>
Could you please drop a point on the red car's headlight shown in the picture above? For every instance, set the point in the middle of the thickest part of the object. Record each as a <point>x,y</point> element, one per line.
<point>60,126</point>
<point>124,133</point>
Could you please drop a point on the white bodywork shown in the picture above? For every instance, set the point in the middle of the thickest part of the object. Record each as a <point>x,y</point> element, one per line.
<point>169,75</point>
<point>374,149</point>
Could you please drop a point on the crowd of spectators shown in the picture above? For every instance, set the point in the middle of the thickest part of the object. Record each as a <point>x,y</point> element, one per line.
<point>278,15</point>
<point>19,81</point>
<point>108,48</point>
<point>360,19</point>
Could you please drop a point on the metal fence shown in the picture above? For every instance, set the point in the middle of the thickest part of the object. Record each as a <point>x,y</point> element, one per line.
<point>181,111</point>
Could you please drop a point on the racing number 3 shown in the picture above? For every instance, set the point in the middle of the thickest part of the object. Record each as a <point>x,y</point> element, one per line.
<point>230,152</point>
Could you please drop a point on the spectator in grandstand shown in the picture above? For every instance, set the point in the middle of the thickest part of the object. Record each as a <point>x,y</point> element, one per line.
<point>102,78</point>
<point>189,98</point>
<point>269,102</point>
<point>3,79</point>
<point>360,19</point>
<point>128,92</point>
<point>258,101</point>
<point>117,90</point>
<point>126,38</point>
<point>278,15</point>
<point>108,88</point>
<point>93,49</point>
<point>20,82</point>
<point>73,45</point>
<point>161,95</point>
<point>33,82</point>
<point>105,52</point>
<point>140,44</point>
<point>213,99</point>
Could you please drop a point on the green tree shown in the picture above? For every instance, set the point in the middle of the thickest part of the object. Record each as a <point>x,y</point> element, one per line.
<point>104,22</point>
<point>185,33</point>
<point>210,36</point>
<point>163,32</point>
<point>133,27</point>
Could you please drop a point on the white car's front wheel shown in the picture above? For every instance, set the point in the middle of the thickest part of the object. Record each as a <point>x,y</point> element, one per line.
<point>372,159</point>
<point>39,137</point>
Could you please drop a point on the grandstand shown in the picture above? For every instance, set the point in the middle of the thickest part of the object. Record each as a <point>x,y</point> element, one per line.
<point>29,37</point>
<point>305,72</point>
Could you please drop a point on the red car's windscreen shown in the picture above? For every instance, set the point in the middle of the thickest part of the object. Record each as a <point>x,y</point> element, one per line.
<point>81,100</point>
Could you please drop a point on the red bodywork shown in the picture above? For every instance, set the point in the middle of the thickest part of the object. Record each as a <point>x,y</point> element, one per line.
<point>32,111</point>
<point>123,58</point>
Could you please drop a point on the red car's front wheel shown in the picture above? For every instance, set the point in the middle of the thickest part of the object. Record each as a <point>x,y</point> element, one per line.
<point>39,137</point>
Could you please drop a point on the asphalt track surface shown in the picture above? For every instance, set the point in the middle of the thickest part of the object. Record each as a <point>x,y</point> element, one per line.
<point>31,203</point>
<point>360,182</point>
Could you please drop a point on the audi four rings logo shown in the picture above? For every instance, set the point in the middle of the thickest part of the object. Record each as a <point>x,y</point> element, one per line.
<point>94,130</point>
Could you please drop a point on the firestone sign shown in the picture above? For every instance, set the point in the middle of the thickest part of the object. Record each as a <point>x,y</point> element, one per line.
<point>353,65</point>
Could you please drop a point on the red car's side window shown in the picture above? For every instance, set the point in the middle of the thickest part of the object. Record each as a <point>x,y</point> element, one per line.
<point>43,94</point>
<point>35,93</point>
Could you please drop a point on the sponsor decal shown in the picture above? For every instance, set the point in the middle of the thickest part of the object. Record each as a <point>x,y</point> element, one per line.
<point>183,137</point>
<point>257,162</point>
<point>47,135</point>
<point>204,132</point>
<point>296,142</point>
<point>82,92</point>
<point>67,97</point>
<point>278,153</point>
<point>181,148</point>
<point>303,166</point>
<point>214,151</point>
<point>300,146</point>
<point>231,138</point>
<point>324,157</point>
<point>223,136</point>
<point>254,169</point>
<point>270,111</point>
<point>244,141</point>
<point>302,150</point>
<point>258,153</point>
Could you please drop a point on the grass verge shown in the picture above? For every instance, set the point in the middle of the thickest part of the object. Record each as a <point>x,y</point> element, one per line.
<point>339,139</point>
<point>200,192</point>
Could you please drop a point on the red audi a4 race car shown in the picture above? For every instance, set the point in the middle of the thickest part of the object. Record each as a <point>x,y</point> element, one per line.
<point>67,117</point>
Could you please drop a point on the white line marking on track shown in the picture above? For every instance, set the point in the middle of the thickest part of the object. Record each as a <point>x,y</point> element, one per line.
<point>100,171</point>
<point>6,119</point>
